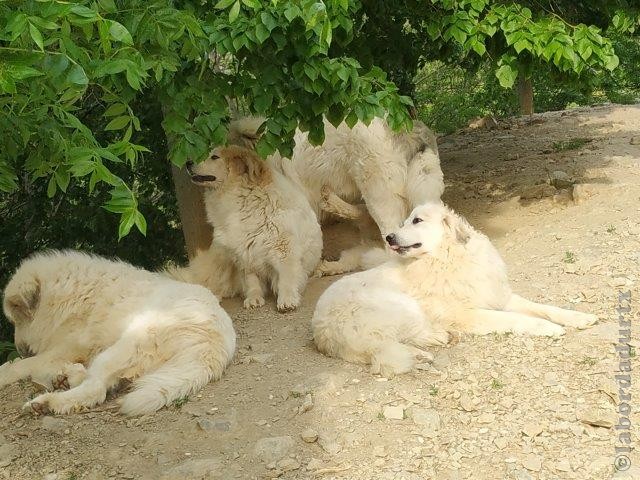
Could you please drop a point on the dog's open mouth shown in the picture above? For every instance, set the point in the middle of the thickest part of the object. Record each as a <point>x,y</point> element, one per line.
<point>401,249</point>
<point>195,178</point>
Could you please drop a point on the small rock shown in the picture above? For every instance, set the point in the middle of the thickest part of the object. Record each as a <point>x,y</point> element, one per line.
<point>598,418</point>
<point>378,451</point>
<point>307,404</point>
<point>466,403</point>
<point>329,445</point>
<point>500,442</point>
<point>635,140</point>
<point>563,465</point>
<point>8,453</point>
<point>550,379</point>
<point>194,469</point>
<point>288,464</point>
<point>442,360</point>
<point>314,464</point>
<point>522,475</point>
<point>487,418</point>
<point>426,417</point>
<point>379,462</point>
<point>261,358</point>
<point>560,179</point>
<point>393,413</point>
<point>54,425</point>
<point>532,429</point>
<point>309,435</point>
<point>532,463</point>
<point>220,425</point>
<point>272,449</point>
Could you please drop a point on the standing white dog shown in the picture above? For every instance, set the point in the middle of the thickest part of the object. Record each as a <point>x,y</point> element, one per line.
<point>391,172</point>
<point>89,322</point>
<point>443,276</point>
<point>263,221</point>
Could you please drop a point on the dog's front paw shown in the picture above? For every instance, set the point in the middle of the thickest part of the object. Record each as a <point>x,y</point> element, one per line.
<point>38,406</point>
<point>548,329</point>
<point>583,320</point>
<point>287,304</point>
<point>253,302</point>
<point>439,337</point>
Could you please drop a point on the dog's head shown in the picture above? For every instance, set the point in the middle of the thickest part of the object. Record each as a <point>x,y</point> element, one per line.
<point>20,303</point>
<point>227,163</point>
<point>427,228</point>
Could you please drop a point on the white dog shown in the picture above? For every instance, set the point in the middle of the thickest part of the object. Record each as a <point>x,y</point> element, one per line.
<point>263,221</point>
<point>89,322</point>
<point>391,172</point>
<point>443,276</point>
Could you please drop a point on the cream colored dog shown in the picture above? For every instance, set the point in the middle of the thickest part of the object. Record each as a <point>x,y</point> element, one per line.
<point>391,172</point>
<point>262,221</point>
<point>442,276</point>
<point>89,322</point>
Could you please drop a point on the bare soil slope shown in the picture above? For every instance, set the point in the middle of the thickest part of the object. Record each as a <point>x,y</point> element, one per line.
<point>497,407</point>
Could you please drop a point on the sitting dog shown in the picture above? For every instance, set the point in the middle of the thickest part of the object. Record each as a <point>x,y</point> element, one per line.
<point>86,322</point>
<point>263,221</point>
<point>442,275</point>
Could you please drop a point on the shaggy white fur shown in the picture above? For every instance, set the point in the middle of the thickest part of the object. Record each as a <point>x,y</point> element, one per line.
<point>443,276</point>
<point>90,322</point>
<point>391,172</point>
<point>265,224</point>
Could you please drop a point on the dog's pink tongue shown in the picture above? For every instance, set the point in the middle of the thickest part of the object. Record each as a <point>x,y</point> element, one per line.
<point>394,247</point>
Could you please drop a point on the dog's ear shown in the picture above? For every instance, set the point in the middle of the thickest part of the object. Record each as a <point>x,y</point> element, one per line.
<point>458,226</point>
<point>245,132</point>
<point>243,161</point>
<point>21,306</point>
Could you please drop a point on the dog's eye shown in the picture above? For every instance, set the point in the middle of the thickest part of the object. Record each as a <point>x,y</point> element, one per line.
<point>416,220</point>
<point>214,157</point>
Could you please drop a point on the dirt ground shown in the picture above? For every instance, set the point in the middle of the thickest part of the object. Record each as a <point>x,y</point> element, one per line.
<point>496,407</point>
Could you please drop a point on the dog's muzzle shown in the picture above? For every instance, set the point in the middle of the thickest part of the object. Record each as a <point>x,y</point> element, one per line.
<point>195,178</point>
<point>392,240</point>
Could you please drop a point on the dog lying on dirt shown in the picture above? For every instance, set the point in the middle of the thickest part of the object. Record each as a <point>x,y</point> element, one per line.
<point>262,222</point>
<point>86,322</point>
<point>391,172</point>
<point>442,276</point>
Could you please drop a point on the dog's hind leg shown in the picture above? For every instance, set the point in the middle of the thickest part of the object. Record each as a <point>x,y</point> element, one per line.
<point>104,372</point>
<point>568,318</point>
<point>179,377</point>
<point>334,205</point>
<point>483,322</point>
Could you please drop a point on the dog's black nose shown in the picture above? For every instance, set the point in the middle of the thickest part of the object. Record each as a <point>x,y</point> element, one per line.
<point>391,239</point>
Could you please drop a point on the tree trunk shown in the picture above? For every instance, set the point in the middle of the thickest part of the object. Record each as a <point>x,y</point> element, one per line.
<point>525,95</point>
<point>193,217</point>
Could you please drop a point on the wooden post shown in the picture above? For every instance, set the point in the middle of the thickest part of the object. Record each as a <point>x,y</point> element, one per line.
<point>193,217</point>
<point>525,94</point>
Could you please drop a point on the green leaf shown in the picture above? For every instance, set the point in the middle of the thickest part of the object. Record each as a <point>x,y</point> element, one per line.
<point>115,110</point>
<point>36,36</point>
<point>255,4</point>
<point>51,187</point>
<point>118,32</point>
<point>507,75</point>
<point>222,4</point>
<point>127,220</point>
<point>234,12</point>
<point>62,179</point>
<point>118,123</point>
<point>262,33</point>
<point>141,223</point>
<point>77,76</point>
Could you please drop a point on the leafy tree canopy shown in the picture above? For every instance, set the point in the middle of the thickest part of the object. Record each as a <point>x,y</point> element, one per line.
<point>73,75</point>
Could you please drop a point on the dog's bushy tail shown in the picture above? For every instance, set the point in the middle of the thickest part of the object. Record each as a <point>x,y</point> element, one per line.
<point>392,358</point>
<point>182,375</point>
